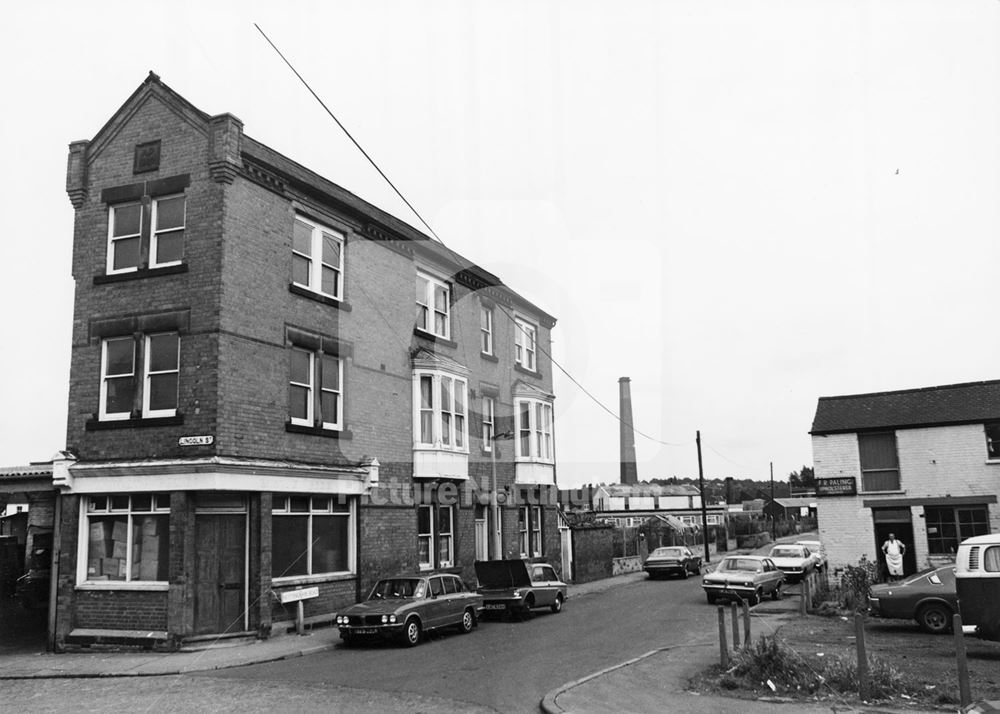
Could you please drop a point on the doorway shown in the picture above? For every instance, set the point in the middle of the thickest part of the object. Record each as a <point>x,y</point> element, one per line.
<point>899,522</point>
<point>220,565</point>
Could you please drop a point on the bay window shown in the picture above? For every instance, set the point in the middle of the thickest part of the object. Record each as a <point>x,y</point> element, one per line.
<point>534,430</point>
<point>441,418</point>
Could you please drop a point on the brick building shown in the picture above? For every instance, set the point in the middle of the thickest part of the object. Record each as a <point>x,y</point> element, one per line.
<point>276,385</point>
<point>920,463</point>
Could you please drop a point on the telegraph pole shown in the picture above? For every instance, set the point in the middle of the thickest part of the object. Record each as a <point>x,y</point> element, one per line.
<point>701,485</point>
<point>774,531</point>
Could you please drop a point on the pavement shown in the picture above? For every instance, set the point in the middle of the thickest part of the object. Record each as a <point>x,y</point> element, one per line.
<point>655,681</point>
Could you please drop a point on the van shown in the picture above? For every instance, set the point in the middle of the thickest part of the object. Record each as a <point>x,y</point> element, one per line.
<point>977,582</point>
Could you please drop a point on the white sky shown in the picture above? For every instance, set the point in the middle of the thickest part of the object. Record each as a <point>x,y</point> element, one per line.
<point>742,206</point>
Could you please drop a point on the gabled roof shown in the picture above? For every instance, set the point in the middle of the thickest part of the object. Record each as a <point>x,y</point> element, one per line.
<point>304,178</point>
<point>952,404</point>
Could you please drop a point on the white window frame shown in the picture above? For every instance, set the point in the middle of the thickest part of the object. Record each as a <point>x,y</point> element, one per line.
<point>541,442</point>
<point>525,343</point>
<point>147,376</point>
<point>155,234</point>
<point>103,414</point>
<point>315,387</point>
<point>434,536</point>
<point>315,259</point>
<point>426,308</point>
<point>160,505</point>
<point>489,422</point>
<point>486,329</point>
<point>458,435</point>
<point>110,258</point>
<point>329,510</point>
<point>529,523</point>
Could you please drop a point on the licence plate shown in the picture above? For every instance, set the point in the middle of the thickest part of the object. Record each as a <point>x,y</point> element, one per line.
<point>366,631</point>
<point>495,606</point>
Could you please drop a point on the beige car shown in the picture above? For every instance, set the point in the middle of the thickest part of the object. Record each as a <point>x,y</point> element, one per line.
<point>744,577</point>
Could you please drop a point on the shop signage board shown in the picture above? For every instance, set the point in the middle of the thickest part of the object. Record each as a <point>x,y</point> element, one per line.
<point>838,486</point>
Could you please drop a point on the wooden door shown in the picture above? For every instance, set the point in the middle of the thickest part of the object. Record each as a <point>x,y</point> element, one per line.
<point>220,555</point>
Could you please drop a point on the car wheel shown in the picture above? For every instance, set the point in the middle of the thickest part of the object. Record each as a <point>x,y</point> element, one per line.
<point>411,632</point>
<point>711,598</point>
<point>935,618</point>
<point>684,572</point>
<point>776,593</point>
<point>753,598</point>
<point>557,605</point>
<point>468,622</point>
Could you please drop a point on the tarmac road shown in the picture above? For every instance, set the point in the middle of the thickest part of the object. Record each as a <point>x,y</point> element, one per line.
<point>509,666</point>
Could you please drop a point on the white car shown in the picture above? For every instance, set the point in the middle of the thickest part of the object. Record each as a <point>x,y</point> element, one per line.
<point>818,552</point>
<point>795,561</point>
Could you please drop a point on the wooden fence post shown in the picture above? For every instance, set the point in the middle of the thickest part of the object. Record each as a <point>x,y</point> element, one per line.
<point>859,632</point>
<point>723,647</point>
<point>746,624</point>
<point>734,609</point>
<point>965,692</point>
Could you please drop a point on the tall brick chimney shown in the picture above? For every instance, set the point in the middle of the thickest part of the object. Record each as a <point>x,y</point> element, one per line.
<point>629,474</point>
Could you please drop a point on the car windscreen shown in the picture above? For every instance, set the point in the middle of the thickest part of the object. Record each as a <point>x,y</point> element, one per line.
<point>397,588</point>
<point>741,564</point>
<point>786,553</point>
<point>668,553</point>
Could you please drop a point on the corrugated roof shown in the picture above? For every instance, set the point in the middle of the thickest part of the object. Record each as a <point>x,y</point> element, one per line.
<point>930,406</point>
<point>795,502</point>
<point>650,489</point>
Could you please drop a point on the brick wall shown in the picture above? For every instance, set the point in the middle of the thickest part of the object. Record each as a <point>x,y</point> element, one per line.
<point>121,610</point>
<point>593,553</point>
<point>933,463</point>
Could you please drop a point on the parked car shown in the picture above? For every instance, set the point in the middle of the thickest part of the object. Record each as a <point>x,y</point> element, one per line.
<point>818,551</point>
<point>672,559</point>
<point>515,587</point>
<point>795,561</point>
<point>977,582</point>
<point>744,577</point>
<point>407,607</point>
<point>929,597</point>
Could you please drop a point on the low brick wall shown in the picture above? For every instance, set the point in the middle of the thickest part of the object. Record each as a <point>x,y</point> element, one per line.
<point>631,564</point>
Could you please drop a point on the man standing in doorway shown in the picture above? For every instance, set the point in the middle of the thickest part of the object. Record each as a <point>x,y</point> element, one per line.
<point>894,550</point>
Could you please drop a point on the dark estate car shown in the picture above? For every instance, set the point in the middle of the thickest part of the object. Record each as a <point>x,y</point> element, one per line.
<point>515,587</point>
<point>672,559</point>
<point>929,597</point>
<point>744,577</point>
<point>406,607</point>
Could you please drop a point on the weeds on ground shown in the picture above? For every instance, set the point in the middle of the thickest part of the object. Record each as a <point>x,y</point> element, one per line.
<point>855,582</point>
<point>770,664</point>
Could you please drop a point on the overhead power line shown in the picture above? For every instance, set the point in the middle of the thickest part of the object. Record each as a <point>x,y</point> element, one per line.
<point>455,255</point>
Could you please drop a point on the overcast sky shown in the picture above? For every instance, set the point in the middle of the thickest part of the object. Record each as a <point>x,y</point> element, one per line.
<point>742,206</point>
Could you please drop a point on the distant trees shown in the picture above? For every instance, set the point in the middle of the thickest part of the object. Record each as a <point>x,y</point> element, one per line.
<point>803,480</point>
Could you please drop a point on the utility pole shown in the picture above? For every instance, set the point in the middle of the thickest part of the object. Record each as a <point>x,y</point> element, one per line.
<point>701,485</point>
<point>774,532</point>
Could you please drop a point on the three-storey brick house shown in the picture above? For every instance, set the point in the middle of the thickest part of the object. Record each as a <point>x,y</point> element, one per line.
<point>276,385</point>
<point>919,463</point>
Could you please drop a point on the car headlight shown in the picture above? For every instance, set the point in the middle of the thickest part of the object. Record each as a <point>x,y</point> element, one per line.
<point>392,618</point>
<point>385,619</point>
<point>341,620</point>
<point>748,584</point>
<point>516,593</point>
